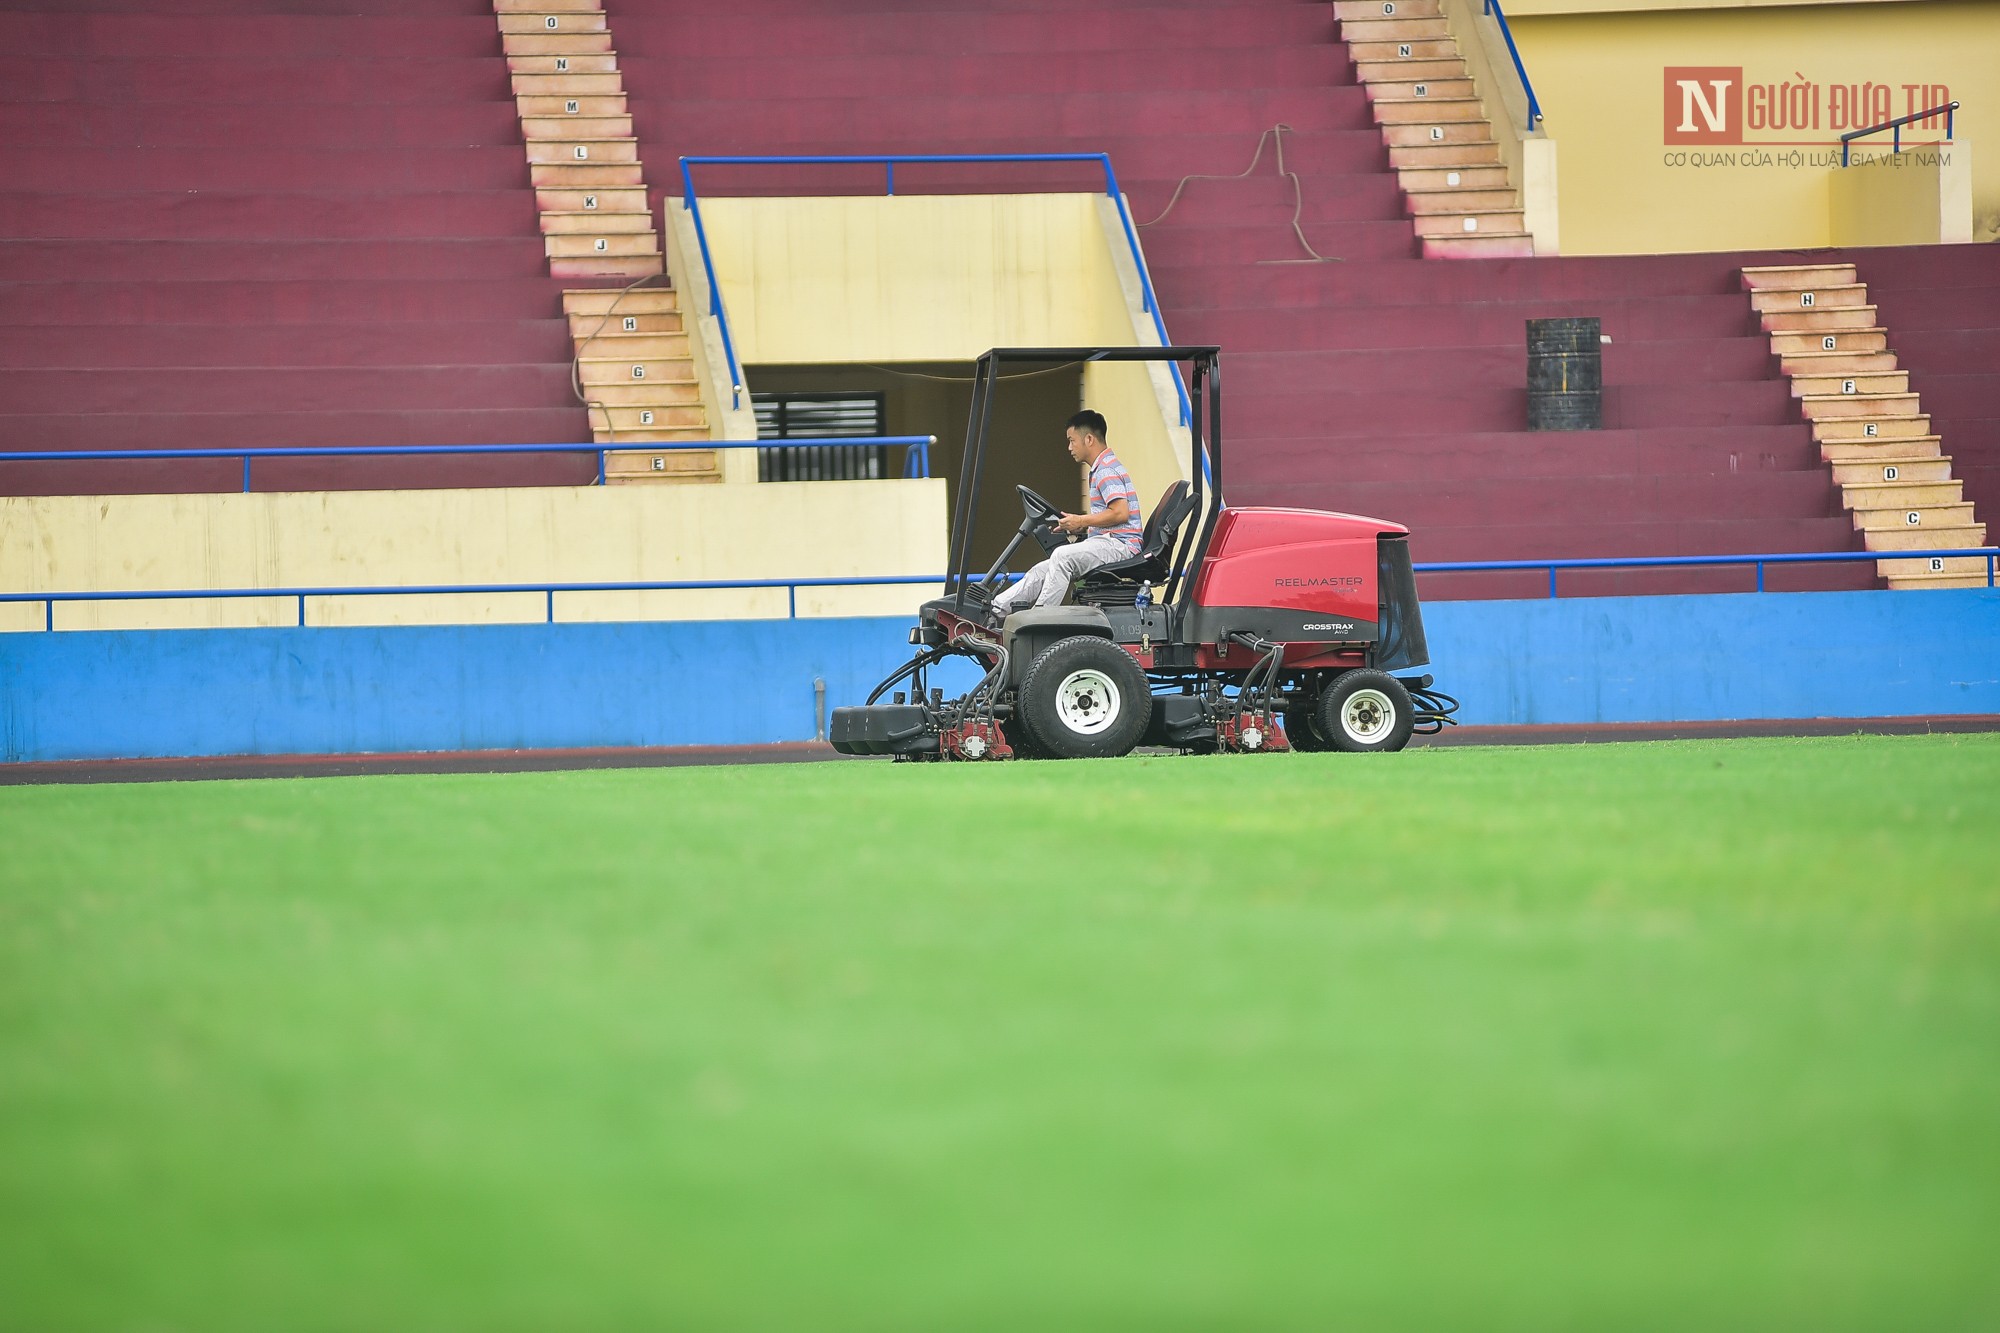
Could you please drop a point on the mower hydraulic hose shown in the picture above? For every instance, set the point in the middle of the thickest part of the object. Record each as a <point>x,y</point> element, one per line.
<point>1434,709</point>
<point>988,685</point>
<point>1260,682</point>
<point>910,668</point>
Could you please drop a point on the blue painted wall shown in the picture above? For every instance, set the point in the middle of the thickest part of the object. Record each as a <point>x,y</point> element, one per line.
<point>1699,659</point>
<point>325,691</point>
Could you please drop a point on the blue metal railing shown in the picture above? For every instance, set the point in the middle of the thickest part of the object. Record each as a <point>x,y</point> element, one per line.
<point>1990,554</point>
<point>548,591</point>
<point>916,451</point>
<point>1895,127</point>
<point>1534,105</point>
<point>888,162</point>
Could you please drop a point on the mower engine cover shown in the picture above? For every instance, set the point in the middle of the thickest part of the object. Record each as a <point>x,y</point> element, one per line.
<point>1291,576</point>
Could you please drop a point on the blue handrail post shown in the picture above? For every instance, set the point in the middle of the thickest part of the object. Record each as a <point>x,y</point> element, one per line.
<point>302,610</point>
<point>551,607</point>
<point>1760,576</point>
<point>889,185</point>
<point>600,467</point>
<point>246,474</point>
<point>1148,303</point>
<point>1534,104</point>
<point>792,601</point>
<point>689,202</point>
<point>1552,583</point>
<point>49,611</point>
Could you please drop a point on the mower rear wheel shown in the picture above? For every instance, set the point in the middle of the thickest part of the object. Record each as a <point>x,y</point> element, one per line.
<point>1365,711</point>
<point>1084,698</point>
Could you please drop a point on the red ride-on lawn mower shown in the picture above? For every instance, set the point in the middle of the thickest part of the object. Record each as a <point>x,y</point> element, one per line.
<point>1277,628</point>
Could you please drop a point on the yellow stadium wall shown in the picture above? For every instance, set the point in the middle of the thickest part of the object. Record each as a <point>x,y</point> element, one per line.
<point>1599,68</point>
<point>929,278</point>
<point>560,534</point>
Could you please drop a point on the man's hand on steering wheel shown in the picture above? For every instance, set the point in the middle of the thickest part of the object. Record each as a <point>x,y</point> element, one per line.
<point>1072,524</point>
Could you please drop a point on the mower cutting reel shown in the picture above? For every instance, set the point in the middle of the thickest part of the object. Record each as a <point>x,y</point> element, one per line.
<point>1274,629</point>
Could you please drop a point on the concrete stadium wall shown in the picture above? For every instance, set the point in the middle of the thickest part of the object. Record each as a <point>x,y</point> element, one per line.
<point>498,535</point>
<point>106,694</point>
<point>1631,182</point>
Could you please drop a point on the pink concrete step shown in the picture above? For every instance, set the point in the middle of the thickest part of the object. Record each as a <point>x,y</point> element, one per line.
<point>1693,535</point>
<point>1262,199</point>
<point>777,10</point>
<point>1926,267</point>
<point>245,215</point>
<point>110,347</point>
<point>283,388</point>
<point>807,38</point>
<point>1959,351</point>
<point>181,476</point>
<point>1554,455</point>
<point>1707,361</point>
<point>252,8</point>
<point>296,127</point>
<point>972,115</point>
<point>386,76</point>
<point>226,429</point>
<point>1922,309</point>
<point>683,82</point>
<point>1171,244</point>
<point>1959,397</point>
<point>1446,406</point>
<point>497,167</point>
<point>1390,283</point>
<point>253,36</point>
<point>1498,324</point>
<point>284,301</point>
<point>1517,502</point>
<point>1850,576</point>
<point>127,261</point>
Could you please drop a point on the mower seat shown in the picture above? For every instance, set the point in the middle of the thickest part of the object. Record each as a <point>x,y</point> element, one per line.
<point>1118,583</point>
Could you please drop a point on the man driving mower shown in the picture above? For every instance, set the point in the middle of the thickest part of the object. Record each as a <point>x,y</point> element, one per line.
<point>1111,531</point>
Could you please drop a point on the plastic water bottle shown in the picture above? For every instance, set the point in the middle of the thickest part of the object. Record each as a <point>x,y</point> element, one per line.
<point>1145,596</point>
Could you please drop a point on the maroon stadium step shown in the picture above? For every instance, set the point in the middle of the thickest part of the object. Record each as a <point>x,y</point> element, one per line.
<point>318,343</point>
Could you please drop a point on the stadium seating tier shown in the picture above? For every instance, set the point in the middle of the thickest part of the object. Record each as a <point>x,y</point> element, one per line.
<point>242,223</point>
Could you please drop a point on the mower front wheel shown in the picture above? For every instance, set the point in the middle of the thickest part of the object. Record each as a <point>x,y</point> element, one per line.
<point>1084,698</point>
<point>1302,731</point>
<point>1365,711</point>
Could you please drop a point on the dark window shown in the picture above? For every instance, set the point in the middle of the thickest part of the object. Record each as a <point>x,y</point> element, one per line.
<point>814,416</point>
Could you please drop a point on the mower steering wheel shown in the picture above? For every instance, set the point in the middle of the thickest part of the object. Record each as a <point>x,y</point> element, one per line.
<point>1040,520</point>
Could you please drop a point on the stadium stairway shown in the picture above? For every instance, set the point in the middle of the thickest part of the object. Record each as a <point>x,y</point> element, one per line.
<point>1895,479</point>
<point>253,223</point>
<point>1361,376</point>
<point>1440,140</point>
<point>633,365</point>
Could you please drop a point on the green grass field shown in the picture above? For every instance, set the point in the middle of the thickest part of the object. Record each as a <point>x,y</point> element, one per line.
<point>1697,1035</point>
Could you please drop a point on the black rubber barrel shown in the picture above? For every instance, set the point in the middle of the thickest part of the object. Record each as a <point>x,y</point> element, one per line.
<point>1565,374</point>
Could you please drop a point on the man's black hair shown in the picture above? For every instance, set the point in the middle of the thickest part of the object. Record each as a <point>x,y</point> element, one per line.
<point>1089,422</point>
